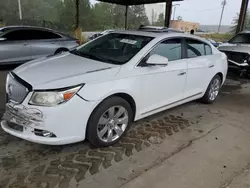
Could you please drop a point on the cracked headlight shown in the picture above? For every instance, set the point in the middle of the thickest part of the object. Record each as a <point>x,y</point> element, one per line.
<point>53,97</point>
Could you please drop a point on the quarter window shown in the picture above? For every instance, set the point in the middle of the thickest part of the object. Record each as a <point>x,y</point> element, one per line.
<point>208,49</point>
<point>195,48</point>
<point>169,48</point>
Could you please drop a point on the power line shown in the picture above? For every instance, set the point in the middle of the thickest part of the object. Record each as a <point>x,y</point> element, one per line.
<point>211,9</point>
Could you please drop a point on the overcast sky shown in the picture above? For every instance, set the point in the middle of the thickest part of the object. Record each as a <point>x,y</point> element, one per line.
<point>206,12</point>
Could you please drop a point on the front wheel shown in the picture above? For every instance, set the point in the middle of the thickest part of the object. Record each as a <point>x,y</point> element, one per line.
<point>212,90</point>
<point>109,122</point>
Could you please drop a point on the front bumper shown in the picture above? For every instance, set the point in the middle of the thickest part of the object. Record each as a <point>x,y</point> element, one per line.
<point>66,122</point>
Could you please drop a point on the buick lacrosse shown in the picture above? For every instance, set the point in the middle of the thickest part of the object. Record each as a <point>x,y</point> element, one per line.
<point>96,91</point>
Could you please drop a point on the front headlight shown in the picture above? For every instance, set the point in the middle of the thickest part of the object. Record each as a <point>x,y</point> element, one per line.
<point>53,98</point>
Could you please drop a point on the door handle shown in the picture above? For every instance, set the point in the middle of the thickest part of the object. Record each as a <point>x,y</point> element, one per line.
<point>211,66</point>
<point>182,73</point>
<point>25,44</point>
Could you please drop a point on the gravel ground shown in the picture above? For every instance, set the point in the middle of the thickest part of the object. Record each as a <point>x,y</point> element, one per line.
<point>25,164</point>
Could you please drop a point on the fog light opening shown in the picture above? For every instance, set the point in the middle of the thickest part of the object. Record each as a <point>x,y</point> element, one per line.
<point>44,133</point>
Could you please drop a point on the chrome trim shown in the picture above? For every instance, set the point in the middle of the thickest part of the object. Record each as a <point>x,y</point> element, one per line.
<point>239,64</point>
<point>171,103</point>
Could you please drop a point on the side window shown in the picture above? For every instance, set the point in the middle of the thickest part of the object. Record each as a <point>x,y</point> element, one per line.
<point>169,48</point>
<point>208,49</point>
<point>16,35</point>
<point>195,48</point>
<point>28,34</point>
<point>37,34</point>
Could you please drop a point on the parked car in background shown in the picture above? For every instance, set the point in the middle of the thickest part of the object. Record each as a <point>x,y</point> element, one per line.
<point>19,44</point>
<point>99,89</point>
<point>158,29</point>
<point>100,34</point>
<point>213,42</point>
<point>238,52</point>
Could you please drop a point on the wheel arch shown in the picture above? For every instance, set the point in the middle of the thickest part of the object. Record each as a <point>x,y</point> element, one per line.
<point>221,76</point>
<point>61,49</point>
<point>129,99</point>
<point>125,96</point>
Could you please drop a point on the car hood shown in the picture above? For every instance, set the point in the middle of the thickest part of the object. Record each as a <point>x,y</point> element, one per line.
<point>245,48</point>
<point>64,70</point>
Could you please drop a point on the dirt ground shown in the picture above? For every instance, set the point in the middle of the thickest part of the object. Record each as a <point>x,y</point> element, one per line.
<point>25,164</point>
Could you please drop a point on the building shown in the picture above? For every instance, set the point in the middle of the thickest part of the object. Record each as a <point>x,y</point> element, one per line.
<point>184,26</point>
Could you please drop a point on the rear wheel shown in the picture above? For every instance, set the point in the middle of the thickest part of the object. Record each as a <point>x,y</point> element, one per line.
<point>109,122</point>
<point>212,90</point>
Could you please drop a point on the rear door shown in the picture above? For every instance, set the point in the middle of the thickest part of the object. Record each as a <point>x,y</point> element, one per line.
<point>201,67</point>
<point>15,48</point>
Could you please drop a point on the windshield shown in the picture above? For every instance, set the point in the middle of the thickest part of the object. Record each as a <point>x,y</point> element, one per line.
<point>113,48</point>
<point>242,38</point>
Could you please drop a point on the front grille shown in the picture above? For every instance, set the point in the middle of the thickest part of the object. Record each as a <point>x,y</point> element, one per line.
<point>238,57</point>
<point>15,90</point>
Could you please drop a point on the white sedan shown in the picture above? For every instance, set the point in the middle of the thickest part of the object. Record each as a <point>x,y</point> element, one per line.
<point>99,89</point>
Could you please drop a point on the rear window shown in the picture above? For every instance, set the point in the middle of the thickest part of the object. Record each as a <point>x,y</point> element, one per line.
<point>242,38</point>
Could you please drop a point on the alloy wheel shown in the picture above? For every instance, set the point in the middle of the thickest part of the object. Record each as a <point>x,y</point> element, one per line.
<point>112,124</point>
<point>214,89</point>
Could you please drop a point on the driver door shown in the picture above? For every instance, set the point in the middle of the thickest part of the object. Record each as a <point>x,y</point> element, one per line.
<point>164,85</point>
<point>15,48</point>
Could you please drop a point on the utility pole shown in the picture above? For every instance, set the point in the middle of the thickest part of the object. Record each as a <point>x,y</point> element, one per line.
<point>174,10</point>
<point>223,3</point>
<point>20,10</point>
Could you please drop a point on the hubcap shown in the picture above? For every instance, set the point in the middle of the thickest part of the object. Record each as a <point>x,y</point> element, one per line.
<point>112,124</point>
<point>214,89</point>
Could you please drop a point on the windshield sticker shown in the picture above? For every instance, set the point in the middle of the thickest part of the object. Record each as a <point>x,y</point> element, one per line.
<point>128,41</point>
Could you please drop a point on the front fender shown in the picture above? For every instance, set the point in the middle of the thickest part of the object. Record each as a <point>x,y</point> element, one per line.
<point>100,91</point>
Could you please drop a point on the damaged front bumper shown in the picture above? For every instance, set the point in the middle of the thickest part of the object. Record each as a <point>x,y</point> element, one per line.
<point>63,124</point>
<point>21,115</point>
<point>239,60</point>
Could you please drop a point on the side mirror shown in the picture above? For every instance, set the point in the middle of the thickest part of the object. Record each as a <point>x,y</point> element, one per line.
<point>2,39</point>
<point>157,60</point>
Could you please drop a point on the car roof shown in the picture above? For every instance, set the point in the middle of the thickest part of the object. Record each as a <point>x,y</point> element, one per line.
<point>158,29</point>
<point>23,27</point>
<point>16,27</point>
<point>160,34</point>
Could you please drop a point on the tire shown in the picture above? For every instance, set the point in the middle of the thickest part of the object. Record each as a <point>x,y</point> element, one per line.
<point>60,50</point>
<point>207,98</point>
<point>102,123</point>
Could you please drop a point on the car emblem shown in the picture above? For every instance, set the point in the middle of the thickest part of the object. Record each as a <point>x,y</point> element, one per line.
<point>10,89</point>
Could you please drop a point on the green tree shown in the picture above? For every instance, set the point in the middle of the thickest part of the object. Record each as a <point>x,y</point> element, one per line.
<point>160,20</point>
<point>102,16</point>
<point>236,20</point>
<point>137,16</point>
